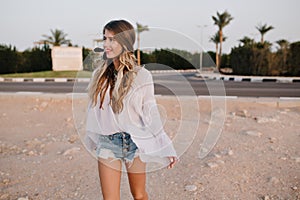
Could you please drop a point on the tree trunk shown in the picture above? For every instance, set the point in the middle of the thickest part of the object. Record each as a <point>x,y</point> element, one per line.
<point>138,50</point>
<point>217,56</point>
<point>220,50</point>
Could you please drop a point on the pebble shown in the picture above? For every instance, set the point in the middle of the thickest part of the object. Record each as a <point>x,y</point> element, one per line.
<point>274,180</point>
<point>294,188</point>
<point>71,151</point>
<point>266,197</point>
<point>44,104</point>
<point>283,112</point>
<point>23,198</point>
<point>69,119</point>
<point>73,139</point>
<point>230,152</point>
<point>5,181</point>
<point>32,153</point>
<point>272,140</point>
<point>33,143</point>
<point>220,161</point>
<point>212,165</point>
<point>4,196</point>
<point>242,113</point>
<point>14,147</point>
<point>252,133</point>
<point>297,159</point>
<point>217,155</point>
<point>262,120</point>
<point>191,188</point>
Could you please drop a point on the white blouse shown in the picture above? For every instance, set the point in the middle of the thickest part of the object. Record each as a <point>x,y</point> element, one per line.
<point>140,118</point>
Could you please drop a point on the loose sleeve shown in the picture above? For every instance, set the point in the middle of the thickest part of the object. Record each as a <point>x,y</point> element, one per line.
<point>162,145</point>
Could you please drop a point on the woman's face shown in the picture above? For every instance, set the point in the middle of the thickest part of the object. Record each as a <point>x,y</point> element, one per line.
<point>111,47</point>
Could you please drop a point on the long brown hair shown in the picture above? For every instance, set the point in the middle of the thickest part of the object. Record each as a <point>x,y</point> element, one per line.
<point>104,75</point>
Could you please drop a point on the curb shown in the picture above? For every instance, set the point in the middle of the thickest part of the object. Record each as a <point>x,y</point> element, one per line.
<point>249,78</point>
<point>81,79</point>
<point>62,80</point>
<point>211,76</point>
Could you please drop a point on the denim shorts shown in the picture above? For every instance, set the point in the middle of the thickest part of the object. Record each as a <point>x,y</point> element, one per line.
<point>116,146</point>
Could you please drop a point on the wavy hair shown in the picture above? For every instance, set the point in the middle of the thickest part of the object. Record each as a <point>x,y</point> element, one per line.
<point>104,74</point>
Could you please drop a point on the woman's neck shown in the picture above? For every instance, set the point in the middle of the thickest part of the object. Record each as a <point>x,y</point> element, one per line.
<point>116,64</point>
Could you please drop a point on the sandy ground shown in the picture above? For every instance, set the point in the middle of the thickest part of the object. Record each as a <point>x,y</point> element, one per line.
<point>256,157</point>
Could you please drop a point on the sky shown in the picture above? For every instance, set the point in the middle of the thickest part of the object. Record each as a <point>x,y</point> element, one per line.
<point>178,24</point>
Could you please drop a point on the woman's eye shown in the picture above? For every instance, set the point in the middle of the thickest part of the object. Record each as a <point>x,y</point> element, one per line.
<point>110,39</point>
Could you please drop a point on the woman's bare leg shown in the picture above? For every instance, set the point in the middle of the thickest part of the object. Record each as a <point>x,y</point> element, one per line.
<point>110,178</point>
<point>137,179</point>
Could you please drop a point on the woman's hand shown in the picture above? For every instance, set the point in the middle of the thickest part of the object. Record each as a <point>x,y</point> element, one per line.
<point>173,161</point>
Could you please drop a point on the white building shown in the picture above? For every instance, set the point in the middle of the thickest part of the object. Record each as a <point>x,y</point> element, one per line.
<point>66,58</point>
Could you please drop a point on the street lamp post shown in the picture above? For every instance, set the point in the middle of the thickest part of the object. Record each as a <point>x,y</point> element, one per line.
<point>201,43</point>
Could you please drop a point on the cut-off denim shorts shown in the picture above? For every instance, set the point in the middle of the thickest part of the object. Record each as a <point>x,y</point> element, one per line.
<point>116,146</point>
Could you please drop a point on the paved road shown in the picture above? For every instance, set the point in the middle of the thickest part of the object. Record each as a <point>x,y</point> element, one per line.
<point>166,84</point>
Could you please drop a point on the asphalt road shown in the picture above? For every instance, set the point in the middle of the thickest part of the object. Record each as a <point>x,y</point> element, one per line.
<point>170,84</point>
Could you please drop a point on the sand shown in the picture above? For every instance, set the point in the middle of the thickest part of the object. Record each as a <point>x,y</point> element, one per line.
<point>256,157</point>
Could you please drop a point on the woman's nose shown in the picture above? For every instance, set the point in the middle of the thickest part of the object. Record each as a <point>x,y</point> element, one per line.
<point>105,43</point>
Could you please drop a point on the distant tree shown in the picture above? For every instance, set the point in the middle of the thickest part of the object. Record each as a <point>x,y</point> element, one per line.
<point>140,28</point>
<point>294,59</point>
<point>221,20</point>
<point>282,53</point>
<point>246,41</point>
<point>57,38</point>
<point>263,29</point>
<point>216,39</point>
<point>37,59</point>
<point>283,44</point>
<point>10,59</point>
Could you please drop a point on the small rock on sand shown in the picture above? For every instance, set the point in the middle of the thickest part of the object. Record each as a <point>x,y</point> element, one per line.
<point>212,165</point>
<point>252,133</point>
<point>71,151</point>
<point>191,188</point>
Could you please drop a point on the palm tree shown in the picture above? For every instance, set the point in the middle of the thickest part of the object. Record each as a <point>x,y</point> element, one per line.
<point>216,39</point>
<point>263,29</point>
<point>284,45</point>
<point>221,20</point>
<point>247,41</point>
<point>57,38</point>
<point>140,28</point>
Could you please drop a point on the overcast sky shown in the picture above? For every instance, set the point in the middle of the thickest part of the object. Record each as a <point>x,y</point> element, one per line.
<point>25,21</point>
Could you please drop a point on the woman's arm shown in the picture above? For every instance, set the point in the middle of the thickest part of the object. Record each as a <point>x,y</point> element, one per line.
<point>152,121</point>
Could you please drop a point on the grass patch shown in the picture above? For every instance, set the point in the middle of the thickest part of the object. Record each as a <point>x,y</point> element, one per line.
<point>50,74</point>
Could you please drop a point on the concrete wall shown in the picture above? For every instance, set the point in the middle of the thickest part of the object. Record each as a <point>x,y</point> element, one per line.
<point>66,58</point>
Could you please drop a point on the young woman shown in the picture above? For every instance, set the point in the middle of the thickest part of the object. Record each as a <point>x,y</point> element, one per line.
<point>123,123</point>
